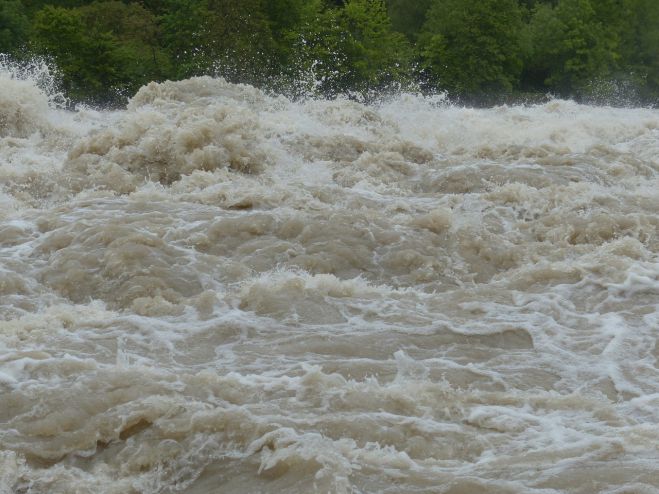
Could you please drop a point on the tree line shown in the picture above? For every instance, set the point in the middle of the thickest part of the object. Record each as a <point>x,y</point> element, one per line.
<point>476,50</point>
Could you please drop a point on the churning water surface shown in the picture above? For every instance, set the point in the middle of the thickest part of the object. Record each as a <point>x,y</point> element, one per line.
<point>219,291</point>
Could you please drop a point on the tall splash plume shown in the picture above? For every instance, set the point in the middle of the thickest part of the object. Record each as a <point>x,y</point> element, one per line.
<point>28,89</point>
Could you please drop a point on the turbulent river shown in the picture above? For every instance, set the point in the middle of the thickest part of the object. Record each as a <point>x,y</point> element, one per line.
<point>220,291</point>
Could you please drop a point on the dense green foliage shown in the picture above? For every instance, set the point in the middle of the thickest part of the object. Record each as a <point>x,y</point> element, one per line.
<point>14,25</point>
<point>473,46</point>
<point>479,50</point>
<point>352,48</point>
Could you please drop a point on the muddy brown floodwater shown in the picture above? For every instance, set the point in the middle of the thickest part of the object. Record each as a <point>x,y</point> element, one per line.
<point>219,291</point>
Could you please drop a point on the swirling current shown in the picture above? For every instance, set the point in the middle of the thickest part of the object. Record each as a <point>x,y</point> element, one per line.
<point>216,290</point>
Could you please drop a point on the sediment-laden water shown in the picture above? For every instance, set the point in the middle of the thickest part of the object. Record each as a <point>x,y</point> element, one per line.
<point>220,291</point>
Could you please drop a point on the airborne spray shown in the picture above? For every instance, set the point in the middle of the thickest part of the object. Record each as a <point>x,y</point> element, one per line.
<point>220,290</point>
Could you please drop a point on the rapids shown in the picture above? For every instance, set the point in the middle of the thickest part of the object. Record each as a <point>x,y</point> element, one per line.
<point>216,290</point>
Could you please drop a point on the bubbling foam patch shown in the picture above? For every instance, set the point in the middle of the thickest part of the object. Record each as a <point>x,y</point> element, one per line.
<point>172,129</point>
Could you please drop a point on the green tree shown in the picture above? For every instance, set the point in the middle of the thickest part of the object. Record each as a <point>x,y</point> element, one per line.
<point>186,26</point>
<point>473,47</point>
<point>571,46</point>
<point>286,19</point>
<point>32,6</point>
<point>381,56</point>
<point>87,59</point>
<point>232,37</point>
<point>288,15</point>
<point>14,26</point>
<point>136,34</point>
<point>408,17</point>
<point>639,46</point>
<point>354,48</point>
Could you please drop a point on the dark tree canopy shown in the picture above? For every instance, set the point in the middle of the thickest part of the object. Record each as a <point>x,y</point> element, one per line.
<point>14,25</point>
<point>474,49</point>
<point>473,46</point>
